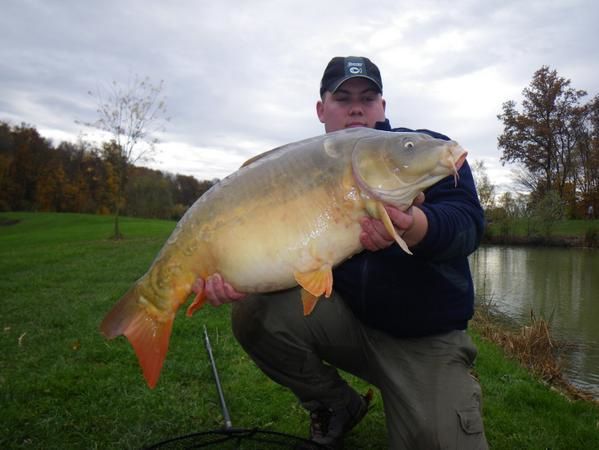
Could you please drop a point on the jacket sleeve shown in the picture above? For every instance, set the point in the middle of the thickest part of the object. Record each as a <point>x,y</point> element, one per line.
<point>455,218</point>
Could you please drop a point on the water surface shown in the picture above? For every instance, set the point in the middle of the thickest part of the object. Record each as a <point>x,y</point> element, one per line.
<point>557,284</point>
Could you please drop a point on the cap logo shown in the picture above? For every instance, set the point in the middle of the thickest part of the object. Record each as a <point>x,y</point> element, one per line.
<point>355,68</point>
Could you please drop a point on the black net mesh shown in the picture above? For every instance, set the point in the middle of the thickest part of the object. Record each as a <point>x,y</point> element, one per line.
<point>237,438</point>
<point>229,437</point>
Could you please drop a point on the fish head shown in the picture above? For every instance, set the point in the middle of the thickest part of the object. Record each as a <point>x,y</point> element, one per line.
<point>394,167</point>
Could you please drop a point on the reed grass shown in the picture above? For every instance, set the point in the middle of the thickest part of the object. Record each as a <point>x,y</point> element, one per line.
<point>533,347</point>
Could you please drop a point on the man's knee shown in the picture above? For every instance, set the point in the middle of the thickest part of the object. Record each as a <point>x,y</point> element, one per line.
<point>264,316</point>
<point>247,319</point>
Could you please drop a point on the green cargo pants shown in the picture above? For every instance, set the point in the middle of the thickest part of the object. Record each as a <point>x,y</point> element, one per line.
<point>431,401</point>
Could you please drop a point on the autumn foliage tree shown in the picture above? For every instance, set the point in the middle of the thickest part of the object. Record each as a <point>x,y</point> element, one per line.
<point>24,157</point>
<point>547,137</point>
<point>79,177</point>
<point>588,169</point>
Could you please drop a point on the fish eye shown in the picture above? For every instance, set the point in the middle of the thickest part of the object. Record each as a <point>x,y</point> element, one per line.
<point>409,144</point>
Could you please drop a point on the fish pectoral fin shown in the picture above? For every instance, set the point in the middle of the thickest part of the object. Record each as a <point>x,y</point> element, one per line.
<point>315,283</point>
<point>197,303</point>
<point>147,331</point>
<point>384,217</point>
<point>309,301</point>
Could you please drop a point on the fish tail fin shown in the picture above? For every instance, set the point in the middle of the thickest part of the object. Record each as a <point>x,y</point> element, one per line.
<point>147,333</point>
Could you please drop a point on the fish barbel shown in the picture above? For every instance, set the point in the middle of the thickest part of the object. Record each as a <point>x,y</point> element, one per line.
<point>287,217</point>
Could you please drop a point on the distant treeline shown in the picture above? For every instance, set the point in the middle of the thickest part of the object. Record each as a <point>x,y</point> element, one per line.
<point>35,175</point>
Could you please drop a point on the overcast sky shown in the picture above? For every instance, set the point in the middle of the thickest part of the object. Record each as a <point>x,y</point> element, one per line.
<point>241,77</point>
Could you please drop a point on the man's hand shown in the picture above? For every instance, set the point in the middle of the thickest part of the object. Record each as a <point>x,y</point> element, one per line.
<point>218,291</point>
<point>410,224</point>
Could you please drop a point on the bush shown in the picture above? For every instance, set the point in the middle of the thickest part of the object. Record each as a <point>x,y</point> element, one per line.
<point>591,237</point>
<point>547,212</point>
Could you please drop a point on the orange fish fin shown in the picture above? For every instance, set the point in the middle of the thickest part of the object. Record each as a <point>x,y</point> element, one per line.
<point>148,333</point>
<point>197,303</point>
<point>309,301</point>
<point>384,217</point>
<point>317,282</point>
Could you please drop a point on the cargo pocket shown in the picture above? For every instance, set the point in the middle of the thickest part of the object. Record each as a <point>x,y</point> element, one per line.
<point>471,429</point>
<point>471,421</point>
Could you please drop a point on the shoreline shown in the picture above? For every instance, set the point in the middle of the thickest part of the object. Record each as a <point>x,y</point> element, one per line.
<point>540,241</point>
<point>532,346</point>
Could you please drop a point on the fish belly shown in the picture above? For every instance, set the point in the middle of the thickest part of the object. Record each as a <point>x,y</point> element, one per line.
<point>261,251</point>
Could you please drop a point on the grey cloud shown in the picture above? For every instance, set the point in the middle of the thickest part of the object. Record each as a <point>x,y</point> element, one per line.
<point>241,75</point>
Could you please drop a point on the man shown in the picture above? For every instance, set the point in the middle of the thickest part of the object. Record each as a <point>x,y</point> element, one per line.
<point>395,320</point>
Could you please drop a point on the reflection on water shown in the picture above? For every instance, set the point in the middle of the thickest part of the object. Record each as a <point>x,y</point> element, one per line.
<point>559,285</point>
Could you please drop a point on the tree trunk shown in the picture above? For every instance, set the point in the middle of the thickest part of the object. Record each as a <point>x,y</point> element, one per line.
<point>117,236</point>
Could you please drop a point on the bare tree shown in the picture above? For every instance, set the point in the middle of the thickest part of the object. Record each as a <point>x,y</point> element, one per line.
<point>133,115</point>
<point>484,187</point>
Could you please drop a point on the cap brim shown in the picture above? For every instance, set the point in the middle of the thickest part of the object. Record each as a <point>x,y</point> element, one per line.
<point>343,80</point>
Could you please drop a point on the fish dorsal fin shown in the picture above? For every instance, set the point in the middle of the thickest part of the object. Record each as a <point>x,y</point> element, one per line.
<point>255,158</point>
<point>260,156</point>
<point>384,217</point>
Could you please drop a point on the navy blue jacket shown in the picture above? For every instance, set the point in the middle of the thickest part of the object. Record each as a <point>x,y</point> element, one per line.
<point>431,291</point>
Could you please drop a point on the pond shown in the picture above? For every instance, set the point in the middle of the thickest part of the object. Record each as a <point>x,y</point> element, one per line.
<point>558,284</point>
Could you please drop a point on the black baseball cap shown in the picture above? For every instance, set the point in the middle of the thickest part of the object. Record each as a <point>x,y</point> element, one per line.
<point>340,69</point>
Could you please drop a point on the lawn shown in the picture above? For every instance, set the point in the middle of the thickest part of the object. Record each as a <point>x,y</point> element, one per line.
<point>62,385</point>
<point>561,228</point>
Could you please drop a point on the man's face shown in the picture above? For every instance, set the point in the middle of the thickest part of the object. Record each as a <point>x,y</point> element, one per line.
<point>356,103</point>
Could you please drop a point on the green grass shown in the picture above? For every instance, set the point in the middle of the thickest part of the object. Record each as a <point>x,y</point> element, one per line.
<point>522,413</point>
<point>574,227</point>
<point>561,228</point>
<point>62,385</point>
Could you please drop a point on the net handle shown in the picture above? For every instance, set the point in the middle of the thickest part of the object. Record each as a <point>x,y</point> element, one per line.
<point>219,389</point>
